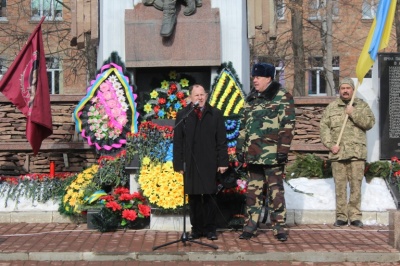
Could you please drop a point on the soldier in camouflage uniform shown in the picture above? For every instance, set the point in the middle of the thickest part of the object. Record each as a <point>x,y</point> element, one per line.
<point>266,133</point>
<point>348,158</point>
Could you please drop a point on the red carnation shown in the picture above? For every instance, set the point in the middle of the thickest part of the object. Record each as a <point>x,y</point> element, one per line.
<point>107,198</point>
<point>114,206</point>
<point>121,190</point>
<point>144,209</point>
<point>125,197</point>
<point>156,109</point>
<point>183,102</point>
<point>180,95</point>
<point>129,215</point>
<point>162,101</point>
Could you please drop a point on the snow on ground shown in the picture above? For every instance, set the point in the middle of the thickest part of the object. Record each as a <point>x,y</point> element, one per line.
<point>375,197</point>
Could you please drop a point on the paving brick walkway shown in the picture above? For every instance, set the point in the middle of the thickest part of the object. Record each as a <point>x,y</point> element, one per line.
<point>72,244</point>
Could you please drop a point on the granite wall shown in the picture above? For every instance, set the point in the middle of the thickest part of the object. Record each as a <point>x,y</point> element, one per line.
<point>72,154</point>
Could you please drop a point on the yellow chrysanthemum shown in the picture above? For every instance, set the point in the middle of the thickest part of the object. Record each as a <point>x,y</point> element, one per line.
<point>154,94</point>
<point>146,160</point>
<point>164,84</point>
<point>74,192</point>
<point>172,74</point>
<point>184,82</point>
<point>157,180</point>
<point>147,108</point>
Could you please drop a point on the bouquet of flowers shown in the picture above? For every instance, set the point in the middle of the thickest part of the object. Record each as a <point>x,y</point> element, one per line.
<point>121,209</point>
<point>160,184</point>
<point>394,176</point>
<point>152,143</point>
<point>108,111</point>
<point>73,199</point>
<point>168,99</point>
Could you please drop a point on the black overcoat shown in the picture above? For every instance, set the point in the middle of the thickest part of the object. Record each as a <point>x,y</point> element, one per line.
<point>201,146</point>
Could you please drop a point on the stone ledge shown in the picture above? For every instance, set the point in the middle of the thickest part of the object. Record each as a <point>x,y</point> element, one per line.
<point>175,222</point>
<point>46,146</point>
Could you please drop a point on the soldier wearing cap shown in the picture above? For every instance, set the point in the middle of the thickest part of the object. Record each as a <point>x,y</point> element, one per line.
<point>349,156</point>
<point>267,127</point>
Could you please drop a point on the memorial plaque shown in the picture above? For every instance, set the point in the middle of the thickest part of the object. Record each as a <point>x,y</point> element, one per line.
<point>389,108</point>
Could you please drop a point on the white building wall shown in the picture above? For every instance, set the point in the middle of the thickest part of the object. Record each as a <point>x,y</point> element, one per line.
<point>234,44</point>
<point>368,90</point>
<point>112,28</point>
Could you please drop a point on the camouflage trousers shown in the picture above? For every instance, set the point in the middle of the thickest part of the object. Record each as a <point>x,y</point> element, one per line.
<point>351,172</point>
<point>271,178</point>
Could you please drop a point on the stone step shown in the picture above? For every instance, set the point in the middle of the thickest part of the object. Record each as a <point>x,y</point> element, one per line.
<point>175,222</point>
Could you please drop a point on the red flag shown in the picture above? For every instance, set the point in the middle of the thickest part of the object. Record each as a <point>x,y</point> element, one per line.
<point>25,84</point>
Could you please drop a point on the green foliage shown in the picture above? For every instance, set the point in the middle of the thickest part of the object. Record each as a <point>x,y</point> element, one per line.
<point>37,190</point>
<point>111,173</point>
<point>309,165</point>
<point>377,169</point>
<point>106,220</point>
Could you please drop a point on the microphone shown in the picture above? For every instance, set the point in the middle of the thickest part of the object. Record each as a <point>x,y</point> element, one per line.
<point>196,105</point>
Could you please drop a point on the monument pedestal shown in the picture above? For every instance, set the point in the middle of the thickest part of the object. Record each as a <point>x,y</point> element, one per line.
<point>394,228</point>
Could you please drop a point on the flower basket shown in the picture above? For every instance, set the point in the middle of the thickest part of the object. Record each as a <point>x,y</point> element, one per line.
<point>139,223</point>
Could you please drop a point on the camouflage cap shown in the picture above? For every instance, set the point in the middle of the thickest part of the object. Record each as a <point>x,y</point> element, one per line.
<point>346,81</point>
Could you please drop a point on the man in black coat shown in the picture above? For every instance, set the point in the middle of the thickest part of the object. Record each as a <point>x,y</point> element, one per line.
<point>200,151</point>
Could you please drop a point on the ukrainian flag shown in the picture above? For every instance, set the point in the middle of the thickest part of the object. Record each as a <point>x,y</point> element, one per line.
<point>378,37</point>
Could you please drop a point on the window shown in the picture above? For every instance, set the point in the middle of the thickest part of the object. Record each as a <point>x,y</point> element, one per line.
<point>315,9</point>
<point>53,74</point>
<point>369,8</point>
<point>280,9</point>
<point>3,9</point>
<point>316,77</point>
<point>51,9</point>
<point>3,67</point>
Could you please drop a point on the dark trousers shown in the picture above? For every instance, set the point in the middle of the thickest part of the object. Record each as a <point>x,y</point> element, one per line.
<point>203,210</point>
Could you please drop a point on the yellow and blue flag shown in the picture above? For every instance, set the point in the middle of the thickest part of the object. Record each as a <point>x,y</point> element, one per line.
<point>378,37</point>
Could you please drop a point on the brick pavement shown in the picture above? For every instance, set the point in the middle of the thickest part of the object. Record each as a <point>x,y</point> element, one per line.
<point>72,244</point>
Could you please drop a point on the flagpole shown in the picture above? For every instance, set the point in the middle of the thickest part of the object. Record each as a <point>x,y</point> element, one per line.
<point>347,116</point>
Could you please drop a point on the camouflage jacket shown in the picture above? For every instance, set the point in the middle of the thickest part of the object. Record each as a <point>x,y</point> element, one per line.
<point>353,143</point>
<point>267,125</point>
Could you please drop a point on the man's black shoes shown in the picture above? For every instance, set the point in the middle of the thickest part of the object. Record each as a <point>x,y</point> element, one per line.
<point>195,235</point>
<point>212,236</point>
<point>281,237</point>
<point>340,223</point>
<point>357,223</point>
<point>246,235</point>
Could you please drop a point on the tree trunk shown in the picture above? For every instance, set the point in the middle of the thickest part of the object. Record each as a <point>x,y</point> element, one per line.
<point>327,49</point>
<point>298,48</point>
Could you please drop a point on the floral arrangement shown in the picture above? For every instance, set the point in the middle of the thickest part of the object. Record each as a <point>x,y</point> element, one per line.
<point>108,111</point>
<point>122,207</point>
<point>394,176</point>
<point>36,187</point>
<point>73,199</point>
<point>166,100</point>
<point>111,172</point>
<point>161,185</point>
<point>152,143</point>
<point>232,133</point>
<point>227,94</point>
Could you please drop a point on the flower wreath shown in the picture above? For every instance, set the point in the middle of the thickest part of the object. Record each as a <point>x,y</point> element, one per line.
<point>227,96</point>
<point>73,198</point>
<point>168,99</point>
<point>108,111</point>
<point>159,183</point>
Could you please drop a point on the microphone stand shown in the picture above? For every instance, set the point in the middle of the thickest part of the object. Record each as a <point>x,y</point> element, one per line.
<point>184,237</point>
